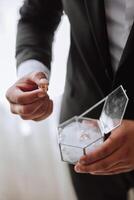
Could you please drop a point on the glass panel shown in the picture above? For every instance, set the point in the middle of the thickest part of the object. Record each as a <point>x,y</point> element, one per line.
<point>70,154</point>
<point>94,145</point>
<point>75,135</point>
<point>79,132</point>
<point>113,110</point>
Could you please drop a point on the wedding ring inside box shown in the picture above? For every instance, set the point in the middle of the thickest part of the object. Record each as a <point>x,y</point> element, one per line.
<point>80,135</point>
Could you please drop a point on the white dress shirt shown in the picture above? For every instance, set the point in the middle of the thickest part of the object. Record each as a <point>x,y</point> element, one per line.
<point>32,65</point>
<point>119,16</point>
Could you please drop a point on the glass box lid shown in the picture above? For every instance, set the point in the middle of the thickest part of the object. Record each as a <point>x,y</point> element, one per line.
<point>113,110</point>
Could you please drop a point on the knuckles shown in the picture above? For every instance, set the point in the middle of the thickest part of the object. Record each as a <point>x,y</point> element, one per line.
<point>26,110</point>
<point>9,93</point>
<point>40,114</point>
<point>38,75</point>
<point>20,100</point>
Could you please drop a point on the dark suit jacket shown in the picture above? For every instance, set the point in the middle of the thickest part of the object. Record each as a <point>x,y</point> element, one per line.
<point>89,72</point>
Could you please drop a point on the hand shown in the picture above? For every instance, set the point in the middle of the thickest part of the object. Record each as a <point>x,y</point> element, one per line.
<point>28,97</point>
<point>114,156</point>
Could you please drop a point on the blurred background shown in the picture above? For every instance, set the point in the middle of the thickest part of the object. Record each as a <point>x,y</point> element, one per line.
<point>30,165</point>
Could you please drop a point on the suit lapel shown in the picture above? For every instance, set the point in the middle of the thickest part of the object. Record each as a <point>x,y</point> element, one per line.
<point>97,20</point>
<point>129,47</point>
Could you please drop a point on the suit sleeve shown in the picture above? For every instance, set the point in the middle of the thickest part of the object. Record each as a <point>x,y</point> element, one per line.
<point>35,32</point>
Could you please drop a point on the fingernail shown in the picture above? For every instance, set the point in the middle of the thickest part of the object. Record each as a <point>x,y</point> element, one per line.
<point>44,87</point>
<point>77,169</point>
<point>93,173</point>
<point>83,162</point>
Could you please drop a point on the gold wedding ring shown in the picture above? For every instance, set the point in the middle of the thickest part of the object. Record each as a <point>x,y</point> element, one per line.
<point>44,87</point>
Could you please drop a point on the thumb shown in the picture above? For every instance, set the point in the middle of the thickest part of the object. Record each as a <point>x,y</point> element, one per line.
<point>40,78</point>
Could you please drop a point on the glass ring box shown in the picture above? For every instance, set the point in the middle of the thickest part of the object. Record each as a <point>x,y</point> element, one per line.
<point>79,135</point>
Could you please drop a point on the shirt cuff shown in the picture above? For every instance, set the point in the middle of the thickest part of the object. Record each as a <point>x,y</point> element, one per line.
<point>30,66</point>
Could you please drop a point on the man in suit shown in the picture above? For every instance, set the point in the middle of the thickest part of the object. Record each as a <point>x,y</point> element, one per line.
<point>100,59</point>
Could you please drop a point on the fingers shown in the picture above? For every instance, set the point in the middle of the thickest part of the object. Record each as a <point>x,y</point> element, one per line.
<point>28,89</point>
<point>17,96</point>
<point>35,111</point>
<point>40,79</point>
<point>110,146</point>
<point>45,114</point>
<point>120,171</point>
<point>28,97</point>
<point>26,109</point>
<point>113,171</point>
<point>117,160</point>
<point>114,156</point>
<point>119,167</point>
<point>105,164</point>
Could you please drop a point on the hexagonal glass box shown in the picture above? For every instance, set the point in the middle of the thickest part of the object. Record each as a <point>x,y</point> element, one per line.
<point>79,135</point>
